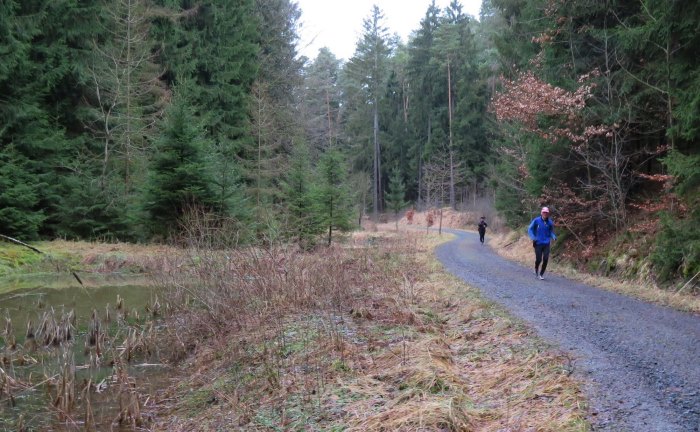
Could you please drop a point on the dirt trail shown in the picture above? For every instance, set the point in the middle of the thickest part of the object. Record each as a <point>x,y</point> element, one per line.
<point>641,361</point>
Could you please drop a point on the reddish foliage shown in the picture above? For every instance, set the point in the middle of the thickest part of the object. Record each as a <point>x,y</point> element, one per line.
<point>578,216</point>
<point>665,179</point>
<point>409,216</point>
<point>586,219</point>
<point>430,218</point>
<point>526,98</point>
<point>646,226</point>
<point>572,209</point>
<point>669,202</point>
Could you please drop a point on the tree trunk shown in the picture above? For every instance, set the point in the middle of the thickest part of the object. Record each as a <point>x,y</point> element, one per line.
<point>449,112</point>
<point>330,225</point>
<point>375,163</point>
<point>420,163</point>
<point>330,123</point>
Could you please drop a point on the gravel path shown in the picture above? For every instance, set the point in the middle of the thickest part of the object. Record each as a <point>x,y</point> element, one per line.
<point>641,362</point>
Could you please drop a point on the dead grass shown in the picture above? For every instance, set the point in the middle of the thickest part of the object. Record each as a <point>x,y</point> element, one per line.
<point>517,247</point>
<point>83,256</point>
<point>373,335</point>
<point>115,257</point>
<point>476,370</point>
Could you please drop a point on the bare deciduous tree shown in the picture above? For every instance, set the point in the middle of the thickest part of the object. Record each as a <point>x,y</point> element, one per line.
<point>437,179</point>
<point>128,94</point>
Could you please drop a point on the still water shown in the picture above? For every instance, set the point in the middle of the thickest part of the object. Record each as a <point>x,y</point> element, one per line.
<point>26,298</point>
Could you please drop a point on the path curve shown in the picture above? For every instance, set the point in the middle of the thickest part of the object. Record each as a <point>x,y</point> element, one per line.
<point>640,362</point>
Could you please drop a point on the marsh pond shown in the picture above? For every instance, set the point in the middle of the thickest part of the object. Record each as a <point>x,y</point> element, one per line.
<point>78,352</point>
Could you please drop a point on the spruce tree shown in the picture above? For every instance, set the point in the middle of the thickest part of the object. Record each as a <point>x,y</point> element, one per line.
<point>397,192</point>
<point>19,196</point>
<point>273,119</point>
<point>44,46</point>
<point>322,99</point>
<point>331,197</point>
<point>422,74</point>
<point>394,112</point>
<point>179,180</point>
<point>297,192</point>
<point>214,47</point>
<point>367,72</point>
<point>126,95</point>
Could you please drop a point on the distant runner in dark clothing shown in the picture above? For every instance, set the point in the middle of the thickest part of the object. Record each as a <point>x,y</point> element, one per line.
<point>541,232</point>
<point>482,229</point>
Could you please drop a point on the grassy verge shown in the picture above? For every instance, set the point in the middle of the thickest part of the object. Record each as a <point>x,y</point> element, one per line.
<point>374,335</point>
<point>518,248</point>
<point>61,256</point>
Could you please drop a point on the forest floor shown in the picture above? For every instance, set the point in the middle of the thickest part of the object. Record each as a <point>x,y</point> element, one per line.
<point>411,349</point>
<point>395,342</point>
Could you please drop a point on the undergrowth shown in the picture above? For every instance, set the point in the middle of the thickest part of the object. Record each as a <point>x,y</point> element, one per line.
<point>370,335</point>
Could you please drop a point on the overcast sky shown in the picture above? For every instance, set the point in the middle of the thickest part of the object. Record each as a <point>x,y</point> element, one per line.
<point>337,24</point>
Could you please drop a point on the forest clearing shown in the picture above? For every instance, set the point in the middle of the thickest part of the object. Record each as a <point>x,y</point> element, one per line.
<point>367,335</point>
<point>206,226</point>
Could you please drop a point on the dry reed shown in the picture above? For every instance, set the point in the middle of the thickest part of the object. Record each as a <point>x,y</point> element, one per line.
<point>128,396</point>
<point>52,345</point>
<point>64,390</point>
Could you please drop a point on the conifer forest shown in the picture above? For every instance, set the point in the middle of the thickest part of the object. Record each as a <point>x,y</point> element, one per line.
<point>122,120</point>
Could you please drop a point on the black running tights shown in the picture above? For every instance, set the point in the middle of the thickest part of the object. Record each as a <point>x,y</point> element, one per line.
<point>541,256</point>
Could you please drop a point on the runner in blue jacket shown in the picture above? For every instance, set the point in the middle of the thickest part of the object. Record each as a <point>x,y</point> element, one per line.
<point>541,232</point>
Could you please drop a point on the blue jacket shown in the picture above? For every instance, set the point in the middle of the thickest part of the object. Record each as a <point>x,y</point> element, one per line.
<point>540,231</point>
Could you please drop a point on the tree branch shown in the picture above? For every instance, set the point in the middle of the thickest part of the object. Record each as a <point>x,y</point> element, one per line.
<point>14,240</point>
